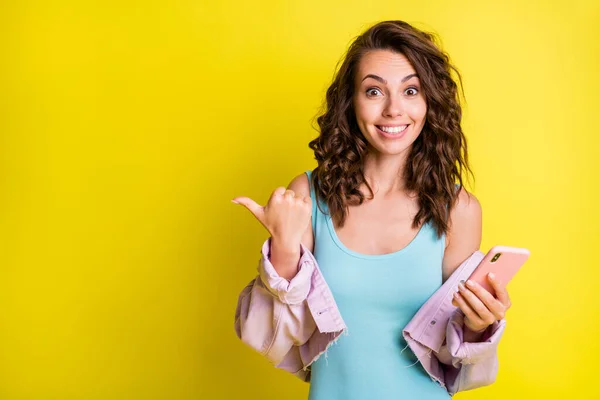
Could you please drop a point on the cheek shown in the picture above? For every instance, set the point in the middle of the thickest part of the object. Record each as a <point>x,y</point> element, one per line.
<point>418,111</point>
<point>365,112</point>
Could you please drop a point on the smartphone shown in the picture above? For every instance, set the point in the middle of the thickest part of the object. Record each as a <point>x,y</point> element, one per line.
<point>503,261</point>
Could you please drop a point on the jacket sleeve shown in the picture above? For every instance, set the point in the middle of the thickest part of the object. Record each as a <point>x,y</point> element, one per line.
<point>272,315</point>
<point>467,365</point>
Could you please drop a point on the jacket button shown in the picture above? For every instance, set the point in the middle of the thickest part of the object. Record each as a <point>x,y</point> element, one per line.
<point>432,322</point>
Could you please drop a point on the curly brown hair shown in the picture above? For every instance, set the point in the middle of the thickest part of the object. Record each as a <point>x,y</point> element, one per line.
<point>438,157</point>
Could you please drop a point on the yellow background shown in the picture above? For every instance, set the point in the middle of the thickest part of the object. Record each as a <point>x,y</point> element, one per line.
<point>127,126</point>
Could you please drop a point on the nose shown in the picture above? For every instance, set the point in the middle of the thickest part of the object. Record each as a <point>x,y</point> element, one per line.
<point>393,107</point>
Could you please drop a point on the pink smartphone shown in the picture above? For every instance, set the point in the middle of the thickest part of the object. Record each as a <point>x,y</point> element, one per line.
<point>503,261</point>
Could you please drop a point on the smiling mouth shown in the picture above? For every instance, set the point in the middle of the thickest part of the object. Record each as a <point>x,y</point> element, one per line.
<point>396,130</point>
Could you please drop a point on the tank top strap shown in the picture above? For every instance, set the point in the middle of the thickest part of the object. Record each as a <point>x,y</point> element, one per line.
<point>319,216</point>
<point>312,197</point>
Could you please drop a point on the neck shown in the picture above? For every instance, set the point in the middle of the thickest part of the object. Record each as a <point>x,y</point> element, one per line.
<point>385,173</point>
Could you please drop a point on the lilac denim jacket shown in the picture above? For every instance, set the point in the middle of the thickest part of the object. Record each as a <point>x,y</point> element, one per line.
<point>292,323</point>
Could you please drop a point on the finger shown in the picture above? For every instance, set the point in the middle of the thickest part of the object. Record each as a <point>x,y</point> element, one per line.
<point>256,209</point>
<point>278,192</point>
<point>495,306</point>
<point>466,309</point>
<point>477,305</point>
<point>289,194</point>
<point>500,290</point>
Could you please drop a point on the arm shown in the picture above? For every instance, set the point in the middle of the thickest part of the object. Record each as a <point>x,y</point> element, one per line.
<point>462,240</point>
<point>469,359</point>
<point>464,233</point>
<point>285,256</point>
<point>281,263</point>
<point>271,314</point>
<point>469,365</point>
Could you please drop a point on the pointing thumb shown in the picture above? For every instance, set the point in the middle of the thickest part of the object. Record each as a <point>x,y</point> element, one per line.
<point>256,209</point>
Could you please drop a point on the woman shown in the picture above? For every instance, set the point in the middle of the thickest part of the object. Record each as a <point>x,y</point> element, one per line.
<point>389,224</point>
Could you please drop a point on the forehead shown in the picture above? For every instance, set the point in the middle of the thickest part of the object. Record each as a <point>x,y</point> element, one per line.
<point>387,64</point>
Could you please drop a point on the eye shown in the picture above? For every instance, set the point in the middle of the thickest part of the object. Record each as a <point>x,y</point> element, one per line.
<point>414,89</point>
<point>370,90</point>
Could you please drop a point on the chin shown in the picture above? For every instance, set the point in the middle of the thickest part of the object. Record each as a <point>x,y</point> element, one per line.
<point>390,150</point>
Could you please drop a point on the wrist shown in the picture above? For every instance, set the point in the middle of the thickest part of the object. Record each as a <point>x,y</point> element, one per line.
<point>472,331</point>
<point>285,247</point>
<point>471,335</point>
<point>285,258</point>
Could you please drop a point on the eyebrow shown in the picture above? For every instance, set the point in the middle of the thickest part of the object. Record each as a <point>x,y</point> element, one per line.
<point>380,79</point>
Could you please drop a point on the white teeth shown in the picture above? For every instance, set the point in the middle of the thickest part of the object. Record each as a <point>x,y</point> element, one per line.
<point>393,130</point>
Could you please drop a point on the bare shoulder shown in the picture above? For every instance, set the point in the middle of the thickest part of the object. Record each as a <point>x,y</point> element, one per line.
<point>301,187</point>
<point>464,234</point>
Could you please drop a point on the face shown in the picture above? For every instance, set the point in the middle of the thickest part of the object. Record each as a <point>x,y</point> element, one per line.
<point>388,102</point>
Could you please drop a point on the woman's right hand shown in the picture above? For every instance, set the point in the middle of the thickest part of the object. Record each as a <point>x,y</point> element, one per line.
<point>286,216</point>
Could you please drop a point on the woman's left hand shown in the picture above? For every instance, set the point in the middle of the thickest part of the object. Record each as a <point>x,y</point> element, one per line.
<point>480,307</point>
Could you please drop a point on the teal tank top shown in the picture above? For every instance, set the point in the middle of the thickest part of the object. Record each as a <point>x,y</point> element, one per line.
<point>377,296</point>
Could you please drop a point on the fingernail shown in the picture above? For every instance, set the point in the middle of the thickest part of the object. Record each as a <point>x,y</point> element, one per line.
<point>491,274</point>
<point>233,201</point>
<point>470,283</point>
<point>461,286</point>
